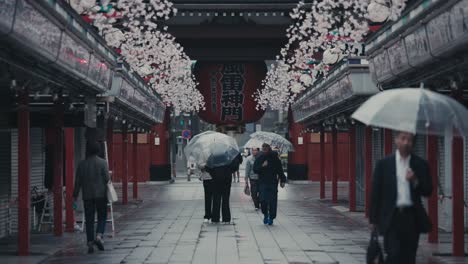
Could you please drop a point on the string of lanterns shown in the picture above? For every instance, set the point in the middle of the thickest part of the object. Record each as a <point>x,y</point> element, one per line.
<point>322,34</point>
<point>131,26</point>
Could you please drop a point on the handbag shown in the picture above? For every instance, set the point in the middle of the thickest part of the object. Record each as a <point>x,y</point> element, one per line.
<point>423,221</point>
<point>111,193</point>
<point>374,253</point>
<point>247,190</point>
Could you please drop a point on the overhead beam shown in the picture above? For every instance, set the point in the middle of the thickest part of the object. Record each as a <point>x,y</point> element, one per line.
<point>228,32</point>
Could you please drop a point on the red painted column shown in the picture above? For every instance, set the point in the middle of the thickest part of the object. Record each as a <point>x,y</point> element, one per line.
<point>124,164</point>
<point>388,142</point>
<point>70,171</point>
<point>110,144</point>
<point>24,152</point>
<point>458,209</point>
<point>322,163</point>
<point>368,167</point>
<point>135,165</point>
<point>433,236</point>
<point>334,168</point>
<point>58,170</point>
<point>160,163</point>
<point>352,169</point>
<point>297,160</point>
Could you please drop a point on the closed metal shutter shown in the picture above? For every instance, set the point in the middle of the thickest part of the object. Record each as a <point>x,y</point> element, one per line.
<point>360,168</point>
<point>5,180</point>
<point>420,148</point>
<point>37,160</point>
<point>377,146</point>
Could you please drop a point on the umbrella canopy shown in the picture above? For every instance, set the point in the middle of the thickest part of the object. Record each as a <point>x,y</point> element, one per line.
<point>212,149</point>
<point>414,110</point>
<point>272,139</point>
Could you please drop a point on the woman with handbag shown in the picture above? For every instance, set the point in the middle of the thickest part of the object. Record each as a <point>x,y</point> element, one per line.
<point>92,178</point>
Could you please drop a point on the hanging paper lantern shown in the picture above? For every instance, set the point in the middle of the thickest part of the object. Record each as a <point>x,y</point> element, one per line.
<point>331,56</point>
<point>378,11</point>
<point>228,89</point>
<point>306,79</point>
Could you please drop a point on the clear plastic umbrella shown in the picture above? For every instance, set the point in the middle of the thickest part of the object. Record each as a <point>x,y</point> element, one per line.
<point>212,148</point>
<point>414,110</point>
<point>272,139</point>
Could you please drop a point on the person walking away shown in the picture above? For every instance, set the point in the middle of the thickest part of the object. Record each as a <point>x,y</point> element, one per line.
<point>222,190</point>
<point>208,190</point>
<point>234,174</point>
<point>270,173</point>
<point>92,176</point>
<point>252,177</point>
<point>396,210</point>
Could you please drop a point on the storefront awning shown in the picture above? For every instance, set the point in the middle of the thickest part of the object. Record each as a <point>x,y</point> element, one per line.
<point>347,83</point>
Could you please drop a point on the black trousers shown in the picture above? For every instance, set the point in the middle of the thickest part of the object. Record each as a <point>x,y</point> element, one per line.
<point>221,194</point>
<point>269,199</point>
<point>92,206</point>
<point>255,193</point>
<point>402,238</point>
<point>208,189</point>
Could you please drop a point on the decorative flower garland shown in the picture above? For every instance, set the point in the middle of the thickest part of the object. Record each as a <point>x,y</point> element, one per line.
<point>131,26</point>
<point>324,32</point>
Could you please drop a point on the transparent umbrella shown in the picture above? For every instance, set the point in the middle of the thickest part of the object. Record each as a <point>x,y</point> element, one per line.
<point>272,139</point>
<point>414,110</point>
<point>212,148</point>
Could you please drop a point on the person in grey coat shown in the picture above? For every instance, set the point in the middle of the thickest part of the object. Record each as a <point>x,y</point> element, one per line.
<point>252,177</point>
<point>92,176</point>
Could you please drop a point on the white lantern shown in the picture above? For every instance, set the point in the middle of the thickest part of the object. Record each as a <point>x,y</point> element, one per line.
<point>306,79</point>
<point>331,56</point>
<point>378,11</point>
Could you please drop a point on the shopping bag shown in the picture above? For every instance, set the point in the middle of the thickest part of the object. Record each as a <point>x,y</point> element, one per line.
<point>247,190</point>
<point>111,193</point>
<point>374,251</point>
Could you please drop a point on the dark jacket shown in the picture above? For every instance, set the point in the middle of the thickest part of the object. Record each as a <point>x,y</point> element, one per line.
<point>270,173</point>
<point>384,190</point>
<point>92,176</point>
<point>225,171</point>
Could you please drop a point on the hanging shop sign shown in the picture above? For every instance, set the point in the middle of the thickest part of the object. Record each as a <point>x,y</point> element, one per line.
<point>228,89</point>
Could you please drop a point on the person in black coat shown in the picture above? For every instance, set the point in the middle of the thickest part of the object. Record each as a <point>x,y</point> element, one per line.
<point>396,211</point>
<point>270,171</point>
<point>221,184</point>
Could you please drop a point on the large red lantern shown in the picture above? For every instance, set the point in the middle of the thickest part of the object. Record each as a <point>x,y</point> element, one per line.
<point>228,89</point>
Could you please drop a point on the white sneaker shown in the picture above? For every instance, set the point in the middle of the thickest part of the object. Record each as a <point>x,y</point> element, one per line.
<point>206,220</point>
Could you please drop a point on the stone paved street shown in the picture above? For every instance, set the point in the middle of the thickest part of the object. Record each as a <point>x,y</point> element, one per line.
<point>167,227</point>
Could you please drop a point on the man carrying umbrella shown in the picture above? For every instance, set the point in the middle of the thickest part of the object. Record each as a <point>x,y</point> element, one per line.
<point>396,209</point>
<point>268,167</point>
<point>252,177</point>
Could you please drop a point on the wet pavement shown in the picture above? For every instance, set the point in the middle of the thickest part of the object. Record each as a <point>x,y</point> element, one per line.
<point>167,227</point>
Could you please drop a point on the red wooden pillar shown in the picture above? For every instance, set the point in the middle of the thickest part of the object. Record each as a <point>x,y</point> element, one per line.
<point>135,165</point>
<point>70,171</point>
<point>58,170</point>
<point>322,163</point>
<point>334,168</point>
<point>388,142</point>
<point>110,145</point>
<point>160,168</point>
<point>352,169</point>
<point>297,160</point>
<point>368,167</point>
<point>433,201</point>
<point>458,228</point>
<point>124,164</point>
<point>24,153</point>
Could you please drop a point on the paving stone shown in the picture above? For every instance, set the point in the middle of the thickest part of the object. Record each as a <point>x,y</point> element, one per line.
<point>167,227</point>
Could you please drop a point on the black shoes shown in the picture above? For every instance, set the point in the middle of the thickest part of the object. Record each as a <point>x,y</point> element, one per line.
<point>90,247</point>
<point>99,243</point>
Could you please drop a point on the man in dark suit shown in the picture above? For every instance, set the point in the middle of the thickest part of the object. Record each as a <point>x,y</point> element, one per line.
<point>396,209</point>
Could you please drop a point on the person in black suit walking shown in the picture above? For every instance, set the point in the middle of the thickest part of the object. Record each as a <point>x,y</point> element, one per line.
<point>396,210</point>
